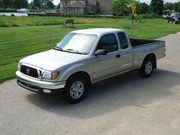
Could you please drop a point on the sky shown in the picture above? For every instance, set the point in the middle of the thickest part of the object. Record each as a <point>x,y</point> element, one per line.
<point>56,2</point>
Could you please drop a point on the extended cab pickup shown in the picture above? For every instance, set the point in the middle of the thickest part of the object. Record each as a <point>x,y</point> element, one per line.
<point>84,57</point>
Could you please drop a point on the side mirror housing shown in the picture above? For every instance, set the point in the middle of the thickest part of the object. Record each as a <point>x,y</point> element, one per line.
<point>101,52</point>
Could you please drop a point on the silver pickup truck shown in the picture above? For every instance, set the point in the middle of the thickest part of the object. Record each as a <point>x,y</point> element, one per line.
<point>84,57</point>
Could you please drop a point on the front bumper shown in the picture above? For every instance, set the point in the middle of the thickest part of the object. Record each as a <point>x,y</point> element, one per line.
<point>39,86</point>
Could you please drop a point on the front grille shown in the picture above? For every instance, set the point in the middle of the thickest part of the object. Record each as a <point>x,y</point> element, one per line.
<point>29,71</point>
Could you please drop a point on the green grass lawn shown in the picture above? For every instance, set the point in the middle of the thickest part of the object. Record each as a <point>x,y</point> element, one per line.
<point>36,34</point>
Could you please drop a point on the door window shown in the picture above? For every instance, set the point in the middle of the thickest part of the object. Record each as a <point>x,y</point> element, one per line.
<point>108,42</point>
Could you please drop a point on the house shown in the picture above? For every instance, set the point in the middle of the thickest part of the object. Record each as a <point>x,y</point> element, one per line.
<point>85,6</point>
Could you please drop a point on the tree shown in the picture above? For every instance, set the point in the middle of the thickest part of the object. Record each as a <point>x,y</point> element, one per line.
<point>58,6</point>
<point>1,4</point>
<point>7,3</point>
<point>143,8</point>
<point>168,6</point>
<point>45,4</point>
<point>177,6</point>
<point>20,3</point>
<point>37,3</point>
<point>157,6</point>
<point>50,5</point>
<point>120,7</point>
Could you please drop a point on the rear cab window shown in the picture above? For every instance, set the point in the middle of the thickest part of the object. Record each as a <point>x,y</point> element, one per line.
<point>123,40</point>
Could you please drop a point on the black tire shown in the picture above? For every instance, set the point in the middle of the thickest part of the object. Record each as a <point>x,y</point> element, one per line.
<point>147,67</point>
<point>75,89</point>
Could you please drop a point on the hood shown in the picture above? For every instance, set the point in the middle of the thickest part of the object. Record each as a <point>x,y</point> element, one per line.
<point>52,59</point>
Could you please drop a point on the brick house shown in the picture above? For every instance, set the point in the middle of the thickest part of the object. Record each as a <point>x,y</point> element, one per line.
<point>85,6</point>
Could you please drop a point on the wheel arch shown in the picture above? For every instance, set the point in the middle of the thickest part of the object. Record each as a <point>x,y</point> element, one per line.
<point>83,74</point>
<point>153,57</point>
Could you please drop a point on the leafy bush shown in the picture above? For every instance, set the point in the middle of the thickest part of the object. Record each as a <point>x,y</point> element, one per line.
<point>12,15</point>
<point>3,24</point>
<point>149,16</point>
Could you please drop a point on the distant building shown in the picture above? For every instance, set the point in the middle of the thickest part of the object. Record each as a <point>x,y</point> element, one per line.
<point>85,6</point>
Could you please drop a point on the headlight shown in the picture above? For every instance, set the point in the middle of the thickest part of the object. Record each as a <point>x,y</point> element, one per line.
<point>49,75</point>
<point>19,66</point>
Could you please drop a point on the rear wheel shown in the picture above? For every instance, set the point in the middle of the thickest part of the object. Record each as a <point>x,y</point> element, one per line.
<point>75,89</point>
<point>147,67</point>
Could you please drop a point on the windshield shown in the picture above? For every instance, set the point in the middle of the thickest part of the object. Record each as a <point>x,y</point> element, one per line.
<point>77,43</point>
<point>177,15</point>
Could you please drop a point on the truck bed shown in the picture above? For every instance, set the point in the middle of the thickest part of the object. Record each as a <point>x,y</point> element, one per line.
<point>138,42</point>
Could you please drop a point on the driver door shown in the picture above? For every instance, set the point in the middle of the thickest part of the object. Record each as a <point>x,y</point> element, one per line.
<point>109,64</point>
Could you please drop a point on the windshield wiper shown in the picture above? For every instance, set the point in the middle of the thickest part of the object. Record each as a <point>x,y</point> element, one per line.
<point>58,48</point>
<point>73,51</point>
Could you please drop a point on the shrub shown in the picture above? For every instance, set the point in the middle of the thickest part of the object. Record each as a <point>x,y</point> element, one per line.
<point>3,24</point>
<point>12,15</point>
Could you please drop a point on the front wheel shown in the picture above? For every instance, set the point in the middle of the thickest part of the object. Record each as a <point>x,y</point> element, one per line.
<point>75,89</point>
<point>147,67</point>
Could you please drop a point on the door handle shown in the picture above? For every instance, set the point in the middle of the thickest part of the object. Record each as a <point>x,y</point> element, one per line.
<point>118,56</point>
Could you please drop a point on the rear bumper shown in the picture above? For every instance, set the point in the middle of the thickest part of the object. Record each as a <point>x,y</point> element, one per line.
<point>38,85</point>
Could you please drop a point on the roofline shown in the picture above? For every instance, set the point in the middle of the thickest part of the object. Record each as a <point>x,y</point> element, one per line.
<point>98,31</point>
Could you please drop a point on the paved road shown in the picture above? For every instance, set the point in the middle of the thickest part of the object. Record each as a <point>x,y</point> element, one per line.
<point>125,105</point>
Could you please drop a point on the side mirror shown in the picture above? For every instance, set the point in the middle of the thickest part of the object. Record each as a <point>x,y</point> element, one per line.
<point>57,44</point>
<point>101,52</point>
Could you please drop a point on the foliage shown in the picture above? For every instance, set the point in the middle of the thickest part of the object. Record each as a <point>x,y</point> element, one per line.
<point>168,6</point>
<point>157,6</point>
<point>7,3</point>
<point>172,6</point>
<point>50,5</point>
<point>147,16</point>
<point>13,3</point>
<point>36,4</point>
<point>42,4</point>
<point>20,3</point>
<point>143,8</point>
<point>177,6</point>
<point>120,7</point>
<point>1,3</point>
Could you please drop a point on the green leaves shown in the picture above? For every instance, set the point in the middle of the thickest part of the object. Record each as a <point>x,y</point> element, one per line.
<point>120,7</point>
